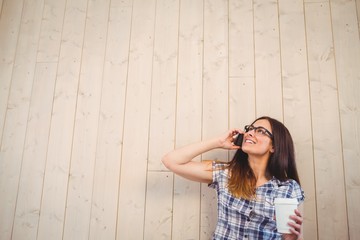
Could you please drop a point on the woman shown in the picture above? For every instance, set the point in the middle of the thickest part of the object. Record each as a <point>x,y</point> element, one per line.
<point>263,168</point>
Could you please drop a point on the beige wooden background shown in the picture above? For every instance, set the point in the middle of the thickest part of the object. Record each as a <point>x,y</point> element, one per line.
<point>94,92</point>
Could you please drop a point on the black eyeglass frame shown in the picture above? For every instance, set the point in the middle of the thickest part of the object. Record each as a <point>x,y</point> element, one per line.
<point>269,134</point>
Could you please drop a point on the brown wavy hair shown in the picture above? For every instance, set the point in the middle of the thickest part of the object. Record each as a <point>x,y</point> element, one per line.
<point>281,164</point>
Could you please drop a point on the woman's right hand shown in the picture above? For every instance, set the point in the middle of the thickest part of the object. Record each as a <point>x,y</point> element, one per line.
<point>227,139</point>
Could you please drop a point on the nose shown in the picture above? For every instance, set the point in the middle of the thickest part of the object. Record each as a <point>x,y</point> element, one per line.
<point>251,133</point>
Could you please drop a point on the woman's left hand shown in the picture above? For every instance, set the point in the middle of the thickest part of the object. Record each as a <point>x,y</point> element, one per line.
<point>295,227</point>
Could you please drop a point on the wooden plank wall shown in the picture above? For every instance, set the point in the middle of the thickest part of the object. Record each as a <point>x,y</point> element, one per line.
<point>94,92</point>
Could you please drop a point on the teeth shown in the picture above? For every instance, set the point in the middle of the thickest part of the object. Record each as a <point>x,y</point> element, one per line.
<point>249,141</point>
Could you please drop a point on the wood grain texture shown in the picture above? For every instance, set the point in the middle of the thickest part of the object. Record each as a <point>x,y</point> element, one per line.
<point>267,59</point>
<point>296,100</point>
<point>82,165</point>
<point>93,93</point>
<point>10,22</point>
<point>345,33</point>
<point>329,168</point>
<point>111,122</point>
<point>131,211</point>
<point>34,156</point>
<point>186,221</point>
<point>215,98</point>
<point>52,214</point>
<point>14,134</point>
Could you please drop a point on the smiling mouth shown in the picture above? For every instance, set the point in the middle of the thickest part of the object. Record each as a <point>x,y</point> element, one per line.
<point>249,141</point>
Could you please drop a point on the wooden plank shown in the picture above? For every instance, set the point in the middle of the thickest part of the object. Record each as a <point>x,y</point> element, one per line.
<point>241,103</point>
<point>33,167</point>
<point>267,59</point>
<point>136,126</point>
<point>158,205</point>
<point>80,188</point>
<point>329,171</point>
<point>51,29</point>
<point>13,138</point>
<point>347,57</point>
<point>296,98</point>
<point>215,98</point>
<point>1,4</point>
<point>163,95</point>
<point>241,38</point>
<point>34,157</point>
<point>358,14</point>
<point>10,21</point>
<point>109,142</point>
<point>159,194</point>
<point>241,64</point>
<point>62,123</point>
<point>186,220</point>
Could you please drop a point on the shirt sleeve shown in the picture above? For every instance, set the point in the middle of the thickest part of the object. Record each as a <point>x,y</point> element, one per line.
<point>215,176</point>
<point>217,170</point>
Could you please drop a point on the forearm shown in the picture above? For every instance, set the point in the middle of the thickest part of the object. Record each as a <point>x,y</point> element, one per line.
<point>187,153</point>
<point>179,160</point>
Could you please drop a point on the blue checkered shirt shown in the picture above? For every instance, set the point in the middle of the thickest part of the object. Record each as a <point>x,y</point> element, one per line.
<point>249,219</point>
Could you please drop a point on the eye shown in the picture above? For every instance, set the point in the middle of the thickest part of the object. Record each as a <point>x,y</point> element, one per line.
<point>250,128</point>
<point>261,131</point>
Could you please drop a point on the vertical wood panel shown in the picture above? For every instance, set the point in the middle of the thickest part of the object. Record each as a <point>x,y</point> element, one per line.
<point>296,98</point>
<point>215,98</point>
<point>267,59</point>
<point>51,29</point>
<point>255,60</point>
<point>62,123</point>
<point>347,57</point>
<point>34,159</point>
<point>13,138</point>
<point>136,127</point>
<point>78,205</point>
<point>10,20</point>
<point>358,14</point>
<point>186,221</point>
<point>1,4</point>
<point>158,206</point>
<point>109,142</point>
<point>163,94</point>
<point>241,63</point>
<point>33,166</point>
<point>159,194</point>
<point>241,38</point>
<point>329,172</point>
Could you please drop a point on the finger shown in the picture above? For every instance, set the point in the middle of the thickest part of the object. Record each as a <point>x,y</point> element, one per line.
<point>298,213</point>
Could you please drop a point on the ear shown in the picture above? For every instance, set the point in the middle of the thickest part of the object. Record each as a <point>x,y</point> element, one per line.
<point>272,149</point>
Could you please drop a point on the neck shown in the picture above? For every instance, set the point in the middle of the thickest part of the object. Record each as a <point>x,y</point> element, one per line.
<point>258,166</point>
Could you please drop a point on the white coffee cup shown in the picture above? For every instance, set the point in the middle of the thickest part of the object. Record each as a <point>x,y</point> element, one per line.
<point>284,207</point>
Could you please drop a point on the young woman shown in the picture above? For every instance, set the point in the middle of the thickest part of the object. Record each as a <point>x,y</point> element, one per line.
<point>262,169</point>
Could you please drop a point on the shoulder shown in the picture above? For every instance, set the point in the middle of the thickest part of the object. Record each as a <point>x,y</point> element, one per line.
<point>220,173</point>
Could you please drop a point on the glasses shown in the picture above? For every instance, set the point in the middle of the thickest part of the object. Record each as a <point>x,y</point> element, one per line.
<point>259,131</point>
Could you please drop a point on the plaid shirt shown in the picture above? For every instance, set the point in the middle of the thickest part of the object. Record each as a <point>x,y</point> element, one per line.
<point>249,219</point>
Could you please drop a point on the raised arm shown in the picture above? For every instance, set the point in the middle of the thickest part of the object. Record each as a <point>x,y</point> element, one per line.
<point>180,161</point>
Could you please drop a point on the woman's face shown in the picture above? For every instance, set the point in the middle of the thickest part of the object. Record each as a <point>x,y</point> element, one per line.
<point>257,141</point>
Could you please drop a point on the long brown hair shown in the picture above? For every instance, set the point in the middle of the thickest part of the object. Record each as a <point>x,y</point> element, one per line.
<point>281,164</point>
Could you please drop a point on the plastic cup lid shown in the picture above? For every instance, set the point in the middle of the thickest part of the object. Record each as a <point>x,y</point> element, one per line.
<point>286,201</point>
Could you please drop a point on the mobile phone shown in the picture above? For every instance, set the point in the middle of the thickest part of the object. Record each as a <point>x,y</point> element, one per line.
<point>239,139</point>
